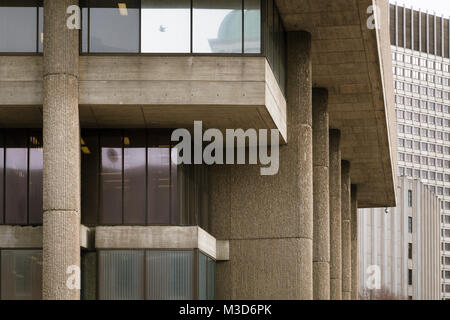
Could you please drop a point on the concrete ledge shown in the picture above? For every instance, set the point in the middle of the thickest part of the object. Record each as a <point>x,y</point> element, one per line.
<point>223,250</point>
<point>160,237</point>
<point>17,237</point>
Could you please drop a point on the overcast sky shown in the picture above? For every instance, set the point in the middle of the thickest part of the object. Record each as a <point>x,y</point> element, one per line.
<point>438,6</point>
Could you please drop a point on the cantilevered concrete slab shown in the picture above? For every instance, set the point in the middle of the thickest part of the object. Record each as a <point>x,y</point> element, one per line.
<point>354,63</point>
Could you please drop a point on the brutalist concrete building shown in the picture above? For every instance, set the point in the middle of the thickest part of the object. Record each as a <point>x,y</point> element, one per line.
<point>421,64</point>
<point>93,204</point>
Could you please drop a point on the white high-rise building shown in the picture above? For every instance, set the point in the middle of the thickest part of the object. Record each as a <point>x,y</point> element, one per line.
<point>420,45</point>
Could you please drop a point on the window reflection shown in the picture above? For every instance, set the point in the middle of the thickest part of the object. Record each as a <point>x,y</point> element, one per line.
<point>18,23</point>
<point>16,178</point>
<point>2,166</point>
<point>111,179</point>
<point>252,26</point>
<point>165,26</point>
<point>217,26</point>
<point>114,26</point>
<point>35,178</point>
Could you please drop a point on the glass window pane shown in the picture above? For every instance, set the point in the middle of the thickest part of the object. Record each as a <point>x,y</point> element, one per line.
<point>18,22</point>
<point>174,189</point>
<point>2,170</point>
<point>21,274</point>
<point>169,275</point>
<point>16,178</point>
<point>134,178</point>
<point>158,180</point>
<point>252,26</point>
<point>114,26</point>
<point>202,276</point>
<point>84,29</point>
<point>217,26</point>
<point>121,275</point>
<point>211,279</point>
<point>41,30</point>
<point>269,39</point>
<point>166,26</point>
<point>111,178</point>
<point>35,179</point>
<point>89,177</point>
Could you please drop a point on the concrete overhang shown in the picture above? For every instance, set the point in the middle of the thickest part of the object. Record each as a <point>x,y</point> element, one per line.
<point>141,91</point>
<point>354,63</point>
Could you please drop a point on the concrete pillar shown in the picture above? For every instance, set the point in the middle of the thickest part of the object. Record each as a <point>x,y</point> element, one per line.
<point>321,224</point>
<point>354,239</point>
<point>61,172</point>
<point>346,232</point>
<point>269,219</point>
<point>335,216</point>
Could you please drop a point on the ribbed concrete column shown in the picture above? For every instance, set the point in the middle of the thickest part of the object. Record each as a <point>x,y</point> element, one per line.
<point>346,232</point>
<point>335,216</point>
<point>354,239</point>
<point>321,225</point>
<point>61,244</point>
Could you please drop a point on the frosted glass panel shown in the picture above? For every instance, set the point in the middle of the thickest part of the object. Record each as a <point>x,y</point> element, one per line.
<point>21,274</point>
<point>202,276</point>
<point>169,275</point>
<point>121,274</point>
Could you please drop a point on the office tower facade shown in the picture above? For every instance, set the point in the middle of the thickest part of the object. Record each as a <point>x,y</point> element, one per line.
<point>94,203</point>
<point>420,53</point>
<point>399,248</point>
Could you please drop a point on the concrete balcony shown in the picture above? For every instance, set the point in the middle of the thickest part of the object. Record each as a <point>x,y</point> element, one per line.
<point>152,92</point>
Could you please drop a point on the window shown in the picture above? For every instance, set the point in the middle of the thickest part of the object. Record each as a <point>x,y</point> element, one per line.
<point>410,277</point>
<point>165,26</point>
<point>155,275</point>
<point>410,250</point>
<point>21,275</point>
<point>129,177</point>
<point>21,177</point>
<point>21,24</point>
<point>409,198</point>
<point>252,26</point>
<point>410,225</point>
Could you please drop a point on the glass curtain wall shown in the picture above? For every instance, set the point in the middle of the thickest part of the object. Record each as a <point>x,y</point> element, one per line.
<point>21,161</point>
<point>155,275</point>
<point>21,274</point>
<point>21,26</point>
<point>130,177</point>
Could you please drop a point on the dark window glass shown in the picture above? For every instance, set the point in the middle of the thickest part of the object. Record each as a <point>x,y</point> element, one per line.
<point>175,209</point>
<point>89,178</point>
<point>410,277</point>
<point>158,179</point>
<point>409,250</point>
<point>409,198</point>
<point>217,26</point>
<point>18,23</point>
<point>114,26</point>
<point>121,275</point>
<point>35,178</point>
<point>166,26</point>
<point>16,178</point>
<point>2,170</point>
<point>252,26</point>
<point>276,47</point>
<point>410,226</point>
<point>111,178</point>
<point>88,275</point>
<point>269,39</point>
<point>169,275</point>
<point>134,183</point>
<point>202,276</point>
<point>21,274</point>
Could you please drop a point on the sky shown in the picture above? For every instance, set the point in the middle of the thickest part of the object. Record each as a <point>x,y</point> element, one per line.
<point>438,6</point>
